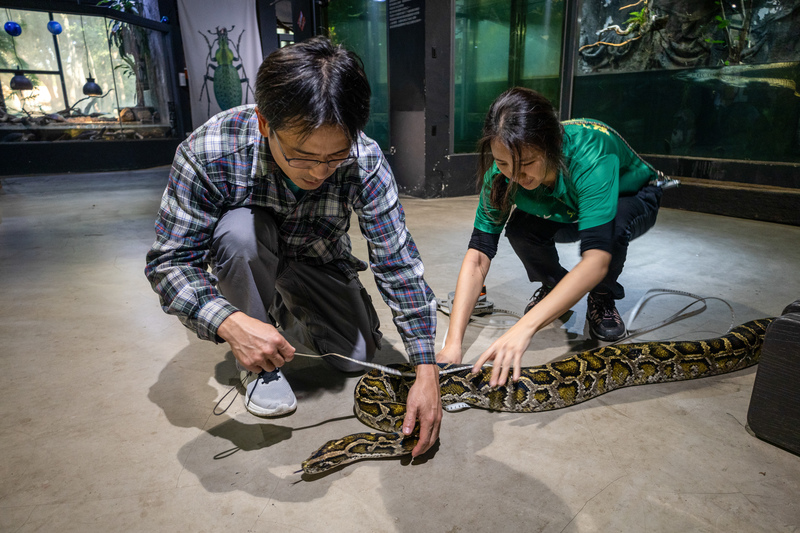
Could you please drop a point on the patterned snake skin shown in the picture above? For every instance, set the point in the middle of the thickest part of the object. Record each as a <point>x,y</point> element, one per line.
<point>380,397</point>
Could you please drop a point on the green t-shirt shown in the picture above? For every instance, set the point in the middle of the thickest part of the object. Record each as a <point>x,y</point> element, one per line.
<point>297,191</point>
<point>601,167</point>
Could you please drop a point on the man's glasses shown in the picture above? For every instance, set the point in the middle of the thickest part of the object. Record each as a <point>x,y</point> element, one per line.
<point>296,162</point>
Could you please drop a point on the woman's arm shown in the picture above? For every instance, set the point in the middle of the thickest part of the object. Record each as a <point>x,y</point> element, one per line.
<point>508,349</point>
<point>468,288</point>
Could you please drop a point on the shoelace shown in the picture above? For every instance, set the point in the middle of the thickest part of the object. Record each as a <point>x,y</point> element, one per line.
<point>267,377</point>
<point>274,375</point>
<point>264,376</point>
<point>540,294</point>
<point>609,312</point>
<point>604,308</point>
<point>216,405</point>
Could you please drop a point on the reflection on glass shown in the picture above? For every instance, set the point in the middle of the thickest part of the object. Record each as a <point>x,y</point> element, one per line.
<point>360,26</point>
<point>126,61</point>
<point>34,46</point>
<point>703,80</point>
<point>498,45</point>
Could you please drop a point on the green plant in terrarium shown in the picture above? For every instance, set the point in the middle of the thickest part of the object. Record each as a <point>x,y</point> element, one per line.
<point>636,18</point>
<point>638,23</point>
<point>736,39</point>
<point>132,44</point>
<point>721,25</point>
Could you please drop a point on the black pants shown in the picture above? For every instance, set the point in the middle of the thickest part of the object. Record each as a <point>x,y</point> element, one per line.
<point>534,239</point>
<point>314,304</point>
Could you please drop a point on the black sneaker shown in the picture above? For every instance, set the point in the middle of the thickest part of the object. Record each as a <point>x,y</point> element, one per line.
<point>604,320</point>
<point>537,297</point>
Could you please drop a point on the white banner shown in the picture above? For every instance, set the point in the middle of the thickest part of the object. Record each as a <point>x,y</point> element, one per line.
<point>223,53</point>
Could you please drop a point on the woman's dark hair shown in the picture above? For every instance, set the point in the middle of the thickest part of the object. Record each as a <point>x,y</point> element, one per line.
<point>517,119</point>
<point>313,83</point>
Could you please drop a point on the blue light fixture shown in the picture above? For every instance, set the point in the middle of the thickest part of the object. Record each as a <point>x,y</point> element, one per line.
<point>12,28</point>
<point>54,27</point>
<point>19,82</point>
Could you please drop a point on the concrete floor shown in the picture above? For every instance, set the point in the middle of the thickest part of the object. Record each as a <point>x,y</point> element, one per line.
<point>106,403</point>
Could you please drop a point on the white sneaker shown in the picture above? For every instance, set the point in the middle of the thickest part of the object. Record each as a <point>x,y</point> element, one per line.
<point>268,393</point>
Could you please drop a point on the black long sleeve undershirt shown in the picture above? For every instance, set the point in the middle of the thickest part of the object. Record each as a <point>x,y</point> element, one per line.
<point>595,238</point>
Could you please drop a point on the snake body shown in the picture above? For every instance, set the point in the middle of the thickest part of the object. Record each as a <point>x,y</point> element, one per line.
<point>380,398</point>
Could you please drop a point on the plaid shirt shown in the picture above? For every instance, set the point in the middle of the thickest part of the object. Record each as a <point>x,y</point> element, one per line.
<point>227,163</point>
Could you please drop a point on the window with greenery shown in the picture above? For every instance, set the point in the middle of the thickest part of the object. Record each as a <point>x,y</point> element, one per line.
<point>91,78</point>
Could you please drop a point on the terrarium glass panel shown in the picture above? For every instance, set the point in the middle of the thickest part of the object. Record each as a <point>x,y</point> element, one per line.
<point>34,46</point>
<point>501,44</point>
<point>715,79</point>
<point>360,26</point>
<point>93,79</point>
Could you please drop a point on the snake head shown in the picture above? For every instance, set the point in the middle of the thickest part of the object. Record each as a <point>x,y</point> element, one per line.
<point>358,446</point>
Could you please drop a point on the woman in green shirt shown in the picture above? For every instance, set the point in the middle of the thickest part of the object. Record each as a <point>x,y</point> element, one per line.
<point>572,181</point>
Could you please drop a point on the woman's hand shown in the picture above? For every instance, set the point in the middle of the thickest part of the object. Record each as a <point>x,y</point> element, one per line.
<point>506,352</point>
<point>473,272</point>
<point>450,354</point>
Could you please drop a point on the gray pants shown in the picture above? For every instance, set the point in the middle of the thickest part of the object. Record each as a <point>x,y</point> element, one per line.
<point>314,304</point>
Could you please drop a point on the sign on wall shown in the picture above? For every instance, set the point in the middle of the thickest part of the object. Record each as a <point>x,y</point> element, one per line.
<point>223,52</point>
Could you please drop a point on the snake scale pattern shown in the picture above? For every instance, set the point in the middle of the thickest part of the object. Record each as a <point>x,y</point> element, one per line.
<point>380,397</point>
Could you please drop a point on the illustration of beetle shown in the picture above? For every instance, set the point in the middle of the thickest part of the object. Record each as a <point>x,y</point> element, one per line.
<point>226,80</point>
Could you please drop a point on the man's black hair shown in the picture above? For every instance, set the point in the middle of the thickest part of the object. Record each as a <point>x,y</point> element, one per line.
<point>313,83</point>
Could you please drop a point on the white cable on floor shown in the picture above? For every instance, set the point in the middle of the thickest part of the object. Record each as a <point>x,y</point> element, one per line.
<point>445,306</point>
<point>680,315</point>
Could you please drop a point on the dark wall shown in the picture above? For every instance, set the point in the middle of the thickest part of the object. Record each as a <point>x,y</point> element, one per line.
<point>420,37</point>
<point>407,105</point>
<point>85,156</point>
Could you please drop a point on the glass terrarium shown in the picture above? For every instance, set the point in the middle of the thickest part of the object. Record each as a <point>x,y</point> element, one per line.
<point>81,77</point>
<point>360,25</point>
<point>501,44</point>
<point>711,79</point>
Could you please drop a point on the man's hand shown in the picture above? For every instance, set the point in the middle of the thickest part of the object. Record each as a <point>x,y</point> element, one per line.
<point>256,345</point>
<point>424,402</point>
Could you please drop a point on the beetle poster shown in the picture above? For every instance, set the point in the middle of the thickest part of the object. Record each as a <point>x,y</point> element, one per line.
<point>223,52</point>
